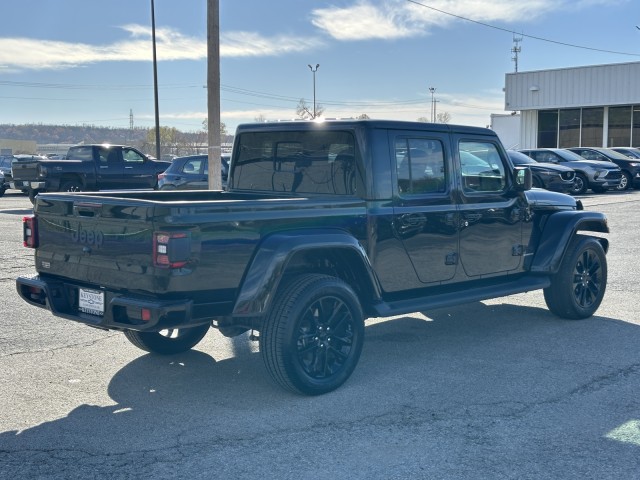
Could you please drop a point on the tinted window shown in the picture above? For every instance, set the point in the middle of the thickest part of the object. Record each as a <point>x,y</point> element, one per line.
<point>420,166</point>
<point>482,167</point>
<point>81,153</point>
<point>130,155</point>
<point>321,162</point>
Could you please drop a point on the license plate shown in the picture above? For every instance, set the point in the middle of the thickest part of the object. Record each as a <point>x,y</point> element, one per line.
<point>91,301</point>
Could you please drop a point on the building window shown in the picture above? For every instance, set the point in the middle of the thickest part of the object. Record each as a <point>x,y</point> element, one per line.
<point>619,127</point>
<point>569,123</point>
<point>635,134</point>
<point>548,128</point>
<point>592,127</point>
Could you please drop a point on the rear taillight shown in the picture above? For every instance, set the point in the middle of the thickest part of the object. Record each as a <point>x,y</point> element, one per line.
<point>30,231</point>
<point>171,249</point>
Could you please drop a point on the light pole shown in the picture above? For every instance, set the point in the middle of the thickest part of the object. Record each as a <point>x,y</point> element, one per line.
<point>155,79</point>
<point>314,86</point>
<point>433,104</point>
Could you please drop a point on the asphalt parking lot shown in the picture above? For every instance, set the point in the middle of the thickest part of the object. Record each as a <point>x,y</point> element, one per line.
<point>500,389</point>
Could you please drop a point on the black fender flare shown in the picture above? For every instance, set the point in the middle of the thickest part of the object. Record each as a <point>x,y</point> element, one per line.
<point>558,232</point>
<point>273,256</point>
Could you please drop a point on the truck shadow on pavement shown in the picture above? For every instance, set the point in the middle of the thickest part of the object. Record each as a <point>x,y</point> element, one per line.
<point>475,361</point>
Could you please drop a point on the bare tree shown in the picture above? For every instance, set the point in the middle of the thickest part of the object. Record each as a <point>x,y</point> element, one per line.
<point>424,120</point>
<point>305,112</point>
<point>363,116</point>
<point>443,117</point>
<point>260,118</point>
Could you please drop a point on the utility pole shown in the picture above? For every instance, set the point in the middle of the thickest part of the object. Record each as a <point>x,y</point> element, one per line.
<point>516,50</point>
<point>213,93</point>
<point>155,78</point>
<point>130,125</point>
<point>314,87</point>
<point>433,104</point>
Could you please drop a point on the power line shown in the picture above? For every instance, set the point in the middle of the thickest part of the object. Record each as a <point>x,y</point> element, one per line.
<point>521,34</point>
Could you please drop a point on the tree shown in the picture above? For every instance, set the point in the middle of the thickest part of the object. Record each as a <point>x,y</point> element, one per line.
<point>363,116</point>
<point>424,120</point>
<point>260,118</point>
<point>305,112</point>
<point>223,127</point>
<point>443,117</point>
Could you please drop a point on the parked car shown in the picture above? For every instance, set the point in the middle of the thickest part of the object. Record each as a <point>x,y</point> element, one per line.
<point>5,171</point>
<point>598,176</point>
<point>89,168</point>
<point>630,152</point>
<point>630,167</point>
<point>550,176</point>
<point>191,173</point>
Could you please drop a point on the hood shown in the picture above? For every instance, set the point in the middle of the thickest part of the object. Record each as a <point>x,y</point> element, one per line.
<point>597,164</point>
<point>549,166</point>
<point>540,198</point>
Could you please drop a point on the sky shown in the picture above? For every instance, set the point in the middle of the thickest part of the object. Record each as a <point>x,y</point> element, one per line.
<point>90,62</point>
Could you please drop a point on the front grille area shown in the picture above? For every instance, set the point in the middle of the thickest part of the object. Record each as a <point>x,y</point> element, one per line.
<point>613,174</point>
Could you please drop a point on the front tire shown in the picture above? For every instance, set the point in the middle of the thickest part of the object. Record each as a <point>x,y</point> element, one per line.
<point>580,185</point>
<point>312,337</point>
<point>168,342</point>
<point>578,288</point>
<point>625,182</point>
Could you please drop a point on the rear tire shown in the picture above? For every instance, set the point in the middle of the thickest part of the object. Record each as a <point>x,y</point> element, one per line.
<point>71,186</point>
<point>32,195</point>
<point>312,337</point>
<point>578,288</point>
<point>168,342</point>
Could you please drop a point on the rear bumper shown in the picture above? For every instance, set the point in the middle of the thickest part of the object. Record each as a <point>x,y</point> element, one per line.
<point>121,312</point>
<point>22,184</point>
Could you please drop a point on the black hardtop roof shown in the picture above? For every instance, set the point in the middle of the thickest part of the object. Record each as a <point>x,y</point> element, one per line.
<point>301,125</point>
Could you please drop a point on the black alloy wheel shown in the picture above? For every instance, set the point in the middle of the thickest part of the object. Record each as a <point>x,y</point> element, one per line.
<point>313,336</point>
<point>578,288</point>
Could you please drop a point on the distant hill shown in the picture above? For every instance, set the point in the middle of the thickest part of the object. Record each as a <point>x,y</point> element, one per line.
<point>73,134</point>
<point>178,142</point>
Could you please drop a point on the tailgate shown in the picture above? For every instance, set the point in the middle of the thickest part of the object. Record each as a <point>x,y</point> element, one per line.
<point>96,242</point>
<point>25,170</point>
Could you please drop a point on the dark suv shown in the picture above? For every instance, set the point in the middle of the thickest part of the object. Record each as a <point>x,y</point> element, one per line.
<point>630,167</point>
<point>191,173</point>
<point>598,176</point>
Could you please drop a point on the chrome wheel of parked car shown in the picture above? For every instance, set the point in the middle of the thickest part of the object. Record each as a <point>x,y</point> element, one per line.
<point>169,341</point>
<point>578,288</point>
<point>313,336</point>
<point>580,184</point>
<point>625,182</point>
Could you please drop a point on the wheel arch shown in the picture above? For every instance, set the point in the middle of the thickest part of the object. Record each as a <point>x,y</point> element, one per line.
<point>557,233</point>
<point>72,177</point>
<point>335,253</point>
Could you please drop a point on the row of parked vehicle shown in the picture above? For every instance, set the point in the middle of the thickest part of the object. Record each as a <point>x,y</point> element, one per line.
<point>576,170</point>
<point>571,170</point>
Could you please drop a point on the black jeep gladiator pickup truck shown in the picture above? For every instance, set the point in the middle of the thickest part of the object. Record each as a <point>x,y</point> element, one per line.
<point>323,225</point>
<point>89,167</point>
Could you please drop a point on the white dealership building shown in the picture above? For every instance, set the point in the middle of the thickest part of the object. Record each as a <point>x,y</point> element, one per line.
<point>595,106</point>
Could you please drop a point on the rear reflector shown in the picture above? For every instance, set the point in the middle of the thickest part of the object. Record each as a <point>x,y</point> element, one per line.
<point>30,231</point>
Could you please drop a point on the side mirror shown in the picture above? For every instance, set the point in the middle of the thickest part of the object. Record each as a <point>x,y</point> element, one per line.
<point>522,179</point>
